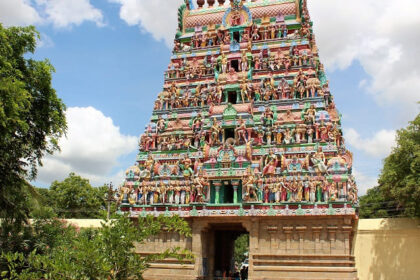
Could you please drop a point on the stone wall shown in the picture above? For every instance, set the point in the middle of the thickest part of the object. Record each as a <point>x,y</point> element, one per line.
<point>388,249</point>
<point>280,248</point>
<point>383,249</point>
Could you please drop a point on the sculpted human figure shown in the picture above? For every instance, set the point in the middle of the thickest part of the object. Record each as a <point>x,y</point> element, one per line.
<point>215,132</point>
<point>312,190</point>
<point>187,167</point>
<point>160,125</point>
<point>241,131</point>
<point>323,132</point>
<point>270,164</point>
<point>244,62</point>
<point>268,117</point>
<point>352,192</point>
<point>288,136</point>
<point>310,134</point>
<point>279,135</point>
<point>318,160</point>
<point>257,92</point>
<point>177,193</point>
<point>223,63</point>
<point>244,91</point>
<point>255,33</point>
<point>335,135</point>
<point>257,63</point>
<point>306,188</point>
<point>219,94</point>
<point>268,135</point>
<point>310,114</point>
<point>260,135</point>
<point>197,123</point>
<point>249,183</point>
<point>284,89</point>
<point>299,195</point>
<point>287,63</point>
<point>300,87</point>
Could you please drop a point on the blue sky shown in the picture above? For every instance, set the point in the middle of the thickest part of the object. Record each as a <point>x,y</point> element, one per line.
<point>110,57</point>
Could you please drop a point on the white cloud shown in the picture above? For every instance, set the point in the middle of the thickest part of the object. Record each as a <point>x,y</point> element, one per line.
<point>91,149</point>
<point>65,13</point>
<point>158,17</point>
<point>18,12</point>
<point>364,182</point>
<point>383,36</point>
<point>379,145</point>
<point>59,13</point>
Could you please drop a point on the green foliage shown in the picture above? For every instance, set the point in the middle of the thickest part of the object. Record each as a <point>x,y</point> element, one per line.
<point>375,205</point>
<point>74,197</point>
<point>31,117</point>
<point>105,253</point>
<point>398,192</point>
<point>400,177</point>
<point>241,247</point>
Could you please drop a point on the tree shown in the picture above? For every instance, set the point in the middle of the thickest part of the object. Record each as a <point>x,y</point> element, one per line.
<point>375,205</point>
<point>31,117</point>
<point>398,191</point>
<point>106,253</point>
<point>74,197</point>
<point>241,248</point>
<point>400,176</point>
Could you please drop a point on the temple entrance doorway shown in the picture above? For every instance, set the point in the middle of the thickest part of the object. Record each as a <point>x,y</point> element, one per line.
<point>227,242</point>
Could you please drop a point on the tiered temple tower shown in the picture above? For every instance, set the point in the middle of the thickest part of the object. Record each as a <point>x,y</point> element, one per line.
<point>245,138</point>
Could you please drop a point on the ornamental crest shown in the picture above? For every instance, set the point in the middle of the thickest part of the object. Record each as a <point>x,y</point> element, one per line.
<point>237,15</point>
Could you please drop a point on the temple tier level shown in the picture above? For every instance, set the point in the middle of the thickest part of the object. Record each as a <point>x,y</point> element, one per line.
<point>245,138</point>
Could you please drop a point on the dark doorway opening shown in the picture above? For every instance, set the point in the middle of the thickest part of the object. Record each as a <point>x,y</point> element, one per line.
<point>232,97</point>
<point>230,240</point>
<point>237,36</point>
<point>227,192</point>
<point>235,64</point>
<point>229,133</point>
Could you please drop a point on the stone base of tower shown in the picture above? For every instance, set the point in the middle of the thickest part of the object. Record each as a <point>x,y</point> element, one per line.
<point>295,247</point>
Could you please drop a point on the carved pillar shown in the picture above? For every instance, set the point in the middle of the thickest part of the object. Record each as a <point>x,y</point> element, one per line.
<point>317,233</point>
<point>217,185</point>
<point>347,230</point>
<point>254,234</point>
<point>332,230</point>
<point>301,231</point>
<point>217,194</point>
<point>253,245</point>
<point>288,232</point>
<point>272,230</point>
<point>197,248</point>
<point>235,185</point>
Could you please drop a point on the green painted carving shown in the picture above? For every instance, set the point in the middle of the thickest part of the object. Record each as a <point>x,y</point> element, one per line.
<point>230,112</point>
<point>300,211</point>
<point>271,211</point>
<point>241,212</point>
<point>181,11</point>
<point>167,213</point>
<point>331,210</point>
<point>193,212</point>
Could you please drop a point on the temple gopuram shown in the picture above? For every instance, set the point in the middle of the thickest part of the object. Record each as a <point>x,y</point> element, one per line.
<point>245,138</point>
